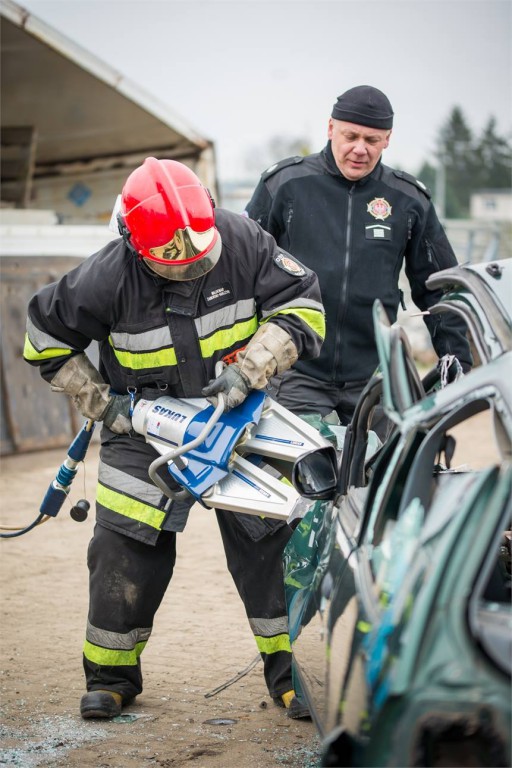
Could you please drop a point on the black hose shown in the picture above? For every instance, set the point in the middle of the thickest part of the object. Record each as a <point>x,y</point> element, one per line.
<point>41,518</point>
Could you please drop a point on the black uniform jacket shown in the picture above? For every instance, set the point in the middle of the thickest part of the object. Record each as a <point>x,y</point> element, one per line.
<point>356,236</point>
<point>167,334</point>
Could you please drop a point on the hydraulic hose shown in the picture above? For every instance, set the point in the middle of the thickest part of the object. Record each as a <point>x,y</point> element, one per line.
<point>59,488</point>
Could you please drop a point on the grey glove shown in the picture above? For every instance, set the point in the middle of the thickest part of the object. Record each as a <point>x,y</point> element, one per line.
<point>232,383</point>
<point>79,379</point>
<point>117,416</point>
<point>271,350</point>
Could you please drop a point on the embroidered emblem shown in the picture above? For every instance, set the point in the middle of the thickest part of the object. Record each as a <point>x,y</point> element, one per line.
<point>218,294</point>
<point>379,208</point>
<point>289,265</point>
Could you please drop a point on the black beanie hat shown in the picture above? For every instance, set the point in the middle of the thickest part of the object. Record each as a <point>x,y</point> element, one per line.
<point>364,105</point>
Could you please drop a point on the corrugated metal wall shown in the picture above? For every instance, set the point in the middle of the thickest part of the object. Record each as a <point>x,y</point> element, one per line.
<point>32,416</point>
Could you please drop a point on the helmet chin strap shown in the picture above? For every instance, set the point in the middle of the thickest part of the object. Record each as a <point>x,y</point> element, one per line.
<point>126,235</point>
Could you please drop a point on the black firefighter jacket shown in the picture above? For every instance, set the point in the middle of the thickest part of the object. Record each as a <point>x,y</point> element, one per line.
<point>356,236</point>
<point>157,333</point>
<point>157,336</point>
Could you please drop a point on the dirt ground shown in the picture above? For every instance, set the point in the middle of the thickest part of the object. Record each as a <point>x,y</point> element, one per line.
<point>201,640</point>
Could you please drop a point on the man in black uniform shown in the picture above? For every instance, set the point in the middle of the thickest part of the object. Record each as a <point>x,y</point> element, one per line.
<point>355,221</point>
<point>185,287</point>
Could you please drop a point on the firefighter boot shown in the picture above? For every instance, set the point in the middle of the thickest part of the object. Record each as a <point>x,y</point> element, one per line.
<point>295,709</point>
<point>101,704</point>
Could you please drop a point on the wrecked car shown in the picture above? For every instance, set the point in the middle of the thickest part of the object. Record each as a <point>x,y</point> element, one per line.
<point>398,580</point>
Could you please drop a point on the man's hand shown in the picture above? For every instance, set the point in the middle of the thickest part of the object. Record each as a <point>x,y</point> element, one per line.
<point>117,414</point>
<point>233,385</point>
<point>79,379</point>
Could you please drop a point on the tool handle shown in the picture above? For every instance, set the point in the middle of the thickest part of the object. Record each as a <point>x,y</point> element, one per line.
<point>80,444</point>
<point>173,454</point>
<point>59,488</point>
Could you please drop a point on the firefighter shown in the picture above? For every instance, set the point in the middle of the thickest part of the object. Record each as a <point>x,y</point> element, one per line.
<point>358,221</point>
<point>185,286</point>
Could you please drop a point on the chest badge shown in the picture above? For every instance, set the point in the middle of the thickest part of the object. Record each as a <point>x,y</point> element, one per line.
<point>379,208</point>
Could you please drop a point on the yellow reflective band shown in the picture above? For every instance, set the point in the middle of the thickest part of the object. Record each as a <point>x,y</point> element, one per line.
<point>108,657</point>
<point>311,317</point>
<point>225,338</point>
<point>274,644</point>
<point>220,340</point>
<point>129,507</point>
<point>139,360</point>
<point>31,353</point>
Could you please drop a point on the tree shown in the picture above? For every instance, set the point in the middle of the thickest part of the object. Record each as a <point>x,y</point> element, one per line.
<point>456,157</point>
<point>494,159</point>
<point>429,176</point>
<point>466,164</point>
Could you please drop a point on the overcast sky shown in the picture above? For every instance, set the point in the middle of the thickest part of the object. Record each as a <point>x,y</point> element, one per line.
<point>243,71</point>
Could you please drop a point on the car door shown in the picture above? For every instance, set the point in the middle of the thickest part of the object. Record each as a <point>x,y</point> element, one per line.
<point>319,568</point>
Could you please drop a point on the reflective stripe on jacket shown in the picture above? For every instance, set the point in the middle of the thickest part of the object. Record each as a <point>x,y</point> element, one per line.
<point>156,332</point>
<point>158,335</point>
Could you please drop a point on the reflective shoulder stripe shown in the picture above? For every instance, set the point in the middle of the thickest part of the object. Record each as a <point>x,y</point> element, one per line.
<point>274,644</point>
<point>300,303</point>
<point>31,353</point>
<point>125,505</point>
<point>111,658</point>
<point>313,318</point>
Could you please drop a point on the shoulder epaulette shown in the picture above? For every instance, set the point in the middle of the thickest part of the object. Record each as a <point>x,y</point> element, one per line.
<point>281,164</point>
<point>413,180</point>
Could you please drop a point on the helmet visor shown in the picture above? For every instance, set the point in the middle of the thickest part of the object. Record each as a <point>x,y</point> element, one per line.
<point>186,246</point>
<point>187,269</point>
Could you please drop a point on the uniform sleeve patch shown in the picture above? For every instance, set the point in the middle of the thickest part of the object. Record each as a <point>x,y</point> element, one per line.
<point>287,264</point>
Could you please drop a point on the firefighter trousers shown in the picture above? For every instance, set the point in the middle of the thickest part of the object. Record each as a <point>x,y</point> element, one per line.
<point>128,579</point>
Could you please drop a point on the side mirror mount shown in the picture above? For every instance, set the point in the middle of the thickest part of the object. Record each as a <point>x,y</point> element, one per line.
<point>315,474</point>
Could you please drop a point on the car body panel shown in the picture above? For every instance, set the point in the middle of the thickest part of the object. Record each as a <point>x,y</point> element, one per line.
<point>400,617</point>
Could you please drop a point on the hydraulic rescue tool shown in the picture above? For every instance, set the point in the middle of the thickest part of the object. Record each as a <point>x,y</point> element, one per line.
<point>247,460</point>
<point>251,459</point>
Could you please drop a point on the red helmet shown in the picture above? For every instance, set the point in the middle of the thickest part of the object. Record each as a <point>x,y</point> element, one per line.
<point>166,215</point>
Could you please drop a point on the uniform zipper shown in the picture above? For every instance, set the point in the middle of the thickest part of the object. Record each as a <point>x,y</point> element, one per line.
<point>431,254</point>
<point>344,282</point>
<point>409,227</point>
